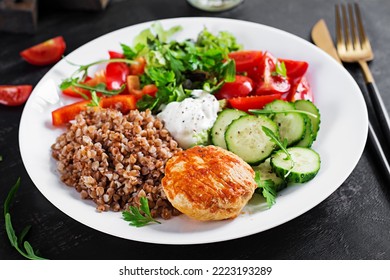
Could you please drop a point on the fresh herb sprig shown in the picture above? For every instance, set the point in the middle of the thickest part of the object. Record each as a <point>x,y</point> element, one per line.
<point>19,243</point>
<point>267,112</point>
<point>141,216</point>
<point>268,189</point>
<point>76,79</point>
<point>281,145</point>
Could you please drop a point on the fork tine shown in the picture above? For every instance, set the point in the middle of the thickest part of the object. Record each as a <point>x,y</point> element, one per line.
<point>362,33</point>
<point>339,35</point>
<point>355,38</point>
<point>347,36</point>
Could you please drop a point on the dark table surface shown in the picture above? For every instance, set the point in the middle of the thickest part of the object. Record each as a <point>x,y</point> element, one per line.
<point>352,223</point>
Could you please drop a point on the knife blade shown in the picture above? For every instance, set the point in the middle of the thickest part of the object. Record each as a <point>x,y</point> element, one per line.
<point>321,37</point>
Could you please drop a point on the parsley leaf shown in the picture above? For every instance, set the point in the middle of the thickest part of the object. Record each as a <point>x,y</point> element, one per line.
<point>132,53</point>
<point>141,216</point>
<point>268,189</point>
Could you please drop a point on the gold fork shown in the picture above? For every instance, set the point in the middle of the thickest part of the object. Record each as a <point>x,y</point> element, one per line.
<point>354,46</point>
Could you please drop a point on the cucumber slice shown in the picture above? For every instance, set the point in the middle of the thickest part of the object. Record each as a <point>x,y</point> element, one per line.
<point>267,173</point>
<point>291,125</point>
<point>219,128</point>
<point>308,106</point>
<point>308,138</point>
<point>304,166</point>
<point>246,138</point>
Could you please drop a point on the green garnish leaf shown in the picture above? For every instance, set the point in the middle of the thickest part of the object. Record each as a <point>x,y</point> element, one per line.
<point>23,235</point>
<point>132,53</point>
<point>268,112</point>
<point>282,146</point>
<point>14,240</point>
<point>141,216</point>
<point>268,189</point>
<point>75,81</point>
<point>280,69</point>
<point>230,70</point>
<point>95,100</point>
<point>276,140</point>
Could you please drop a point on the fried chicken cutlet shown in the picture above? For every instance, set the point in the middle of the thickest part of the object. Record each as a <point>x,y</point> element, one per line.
<point>208,183</point>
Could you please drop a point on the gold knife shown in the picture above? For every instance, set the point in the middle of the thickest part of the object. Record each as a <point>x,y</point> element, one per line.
<point>321,37</point>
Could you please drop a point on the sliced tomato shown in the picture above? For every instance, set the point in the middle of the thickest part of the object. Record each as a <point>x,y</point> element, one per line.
<point>139,67</point>
<point>123,103</point>
<point>45,53</point>
<point>114,54</point>
<point>242,86</point>
<point>252,102</point>
<point>270,83</point>
<point>14,95</point>
<point>116,74</point>
<point>300,90</point>
<point>98,78</point>
<point>295,68</point>
<point>247,61</point>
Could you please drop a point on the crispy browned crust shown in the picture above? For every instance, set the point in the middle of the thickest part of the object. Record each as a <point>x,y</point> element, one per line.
<point>208,183</point>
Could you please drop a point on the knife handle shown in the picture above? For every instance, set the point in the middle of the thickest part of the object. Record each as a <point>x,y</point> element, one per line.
<point>380,111</point>
<point>379,151</point>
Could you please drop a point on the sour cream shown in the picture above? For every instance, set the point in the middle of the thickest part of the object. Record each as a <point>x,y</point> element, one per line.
<point>190,120</point>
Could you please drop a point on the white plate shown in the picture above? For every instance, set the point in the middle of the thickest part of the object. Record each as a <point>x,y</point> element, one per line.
<point>340,141</point>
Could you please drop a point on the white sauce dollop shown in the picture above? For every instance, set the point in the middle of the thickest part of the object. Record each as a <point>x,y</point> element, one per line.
<point>189,121</point>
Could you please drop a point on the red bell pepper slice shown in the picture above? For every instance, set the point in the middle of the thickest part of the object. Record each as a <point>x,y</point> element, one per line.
<point>63,115</point>
<point>123,102</point>
<point>252,102</point>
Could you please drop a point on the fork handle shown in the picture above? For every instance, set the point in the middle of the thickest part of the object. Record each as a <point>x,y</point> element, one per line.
<point>377,102</point>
